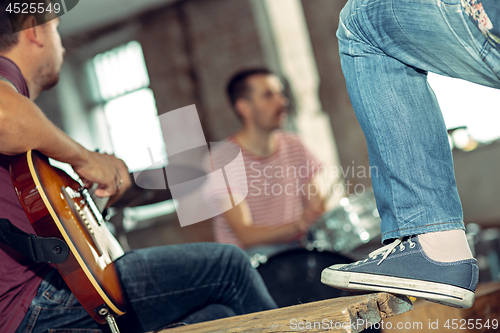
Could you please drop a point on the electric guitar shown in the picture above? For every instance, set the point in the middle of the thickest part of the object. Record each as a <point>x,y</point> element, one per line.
<point>58,206</point>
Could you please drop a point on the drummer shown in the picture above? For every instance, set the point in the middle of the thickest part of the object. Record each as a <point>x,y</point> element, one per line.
<point>284,193</point>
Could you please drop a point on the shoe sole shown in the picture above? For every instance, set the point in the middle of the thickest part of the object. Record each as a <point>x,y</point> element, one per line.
<point>431,291</point>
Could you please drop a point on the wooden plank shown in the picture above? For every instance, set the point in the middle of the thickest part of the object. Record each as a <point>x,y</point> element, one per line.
<point>346,314</point>
<point>433,317</point>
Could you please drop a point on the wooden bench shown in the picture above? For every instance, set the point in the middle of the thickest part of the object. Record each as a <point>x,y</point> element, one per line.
<point>345,314</point>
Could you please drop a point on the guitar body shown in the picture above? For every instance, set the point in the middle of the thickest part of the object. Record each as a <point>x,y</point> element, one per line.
<point>57,206</point>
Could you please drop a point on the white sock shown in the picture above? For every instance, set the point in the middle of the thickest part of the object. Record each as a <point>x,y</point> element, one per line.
<point>446,246</point>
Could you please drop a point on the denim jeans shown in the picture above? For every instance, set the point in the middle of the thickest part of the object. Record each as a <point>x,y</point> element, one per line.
<point>163,285</point>
<point>387,47</point>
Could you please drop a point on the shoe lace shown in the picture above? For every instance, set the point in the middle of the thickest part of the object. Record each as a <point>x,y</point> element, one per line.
<point>389,248</point>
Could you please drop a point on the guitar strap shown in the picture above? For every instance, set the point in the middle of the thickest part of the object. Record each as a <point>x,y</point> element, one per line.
<point>38,249</point>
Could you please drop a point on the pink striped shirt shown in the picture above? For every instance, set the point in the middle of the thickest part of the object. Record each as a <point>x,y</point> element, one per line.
<point>277,185</point>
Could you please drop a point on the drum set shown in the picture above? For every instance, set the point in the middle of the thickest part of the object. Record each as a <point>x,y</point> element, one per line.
<point>341,236</point>
<point>350,228</point>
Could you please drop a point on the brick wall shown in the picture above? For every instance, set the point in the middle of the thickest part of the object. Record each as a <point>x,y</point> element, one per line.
<point>223,39</point>
<point>322,20</point>
<point>163,42</point>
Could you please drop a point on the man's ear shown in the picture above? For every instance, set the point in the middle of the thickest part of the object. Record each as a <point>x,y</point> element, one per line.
<point>242,107</point>
<point>31,31</point>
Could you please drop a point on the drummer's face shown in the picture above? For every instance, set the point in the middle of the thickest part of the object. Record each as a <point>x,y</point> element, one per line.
<point>268,105</point>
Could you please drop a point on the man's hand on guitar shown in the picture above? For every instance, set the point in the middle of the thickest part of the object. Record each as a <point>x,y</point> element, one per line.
<point>108,171</point>
<point>124,181</point>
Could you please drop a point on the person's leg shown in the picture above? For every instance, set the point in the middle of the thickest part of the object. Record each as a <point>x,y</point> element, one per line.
<point>210,312</point>
<point>164,285</point>
<point>387,47</point>
<point>55,309</point>
<point>169,284</point>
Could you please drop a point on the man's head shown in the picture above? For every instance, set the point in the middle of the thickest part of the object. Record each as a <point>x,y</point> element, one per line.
<point>36,43</point>
<point>256,96</point>
<point>11,22</point>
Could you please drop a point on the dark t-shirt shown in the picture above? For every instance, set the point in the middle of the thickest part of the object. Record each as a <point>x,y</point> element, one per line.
<point>19,276</point>
<point>486,16</point>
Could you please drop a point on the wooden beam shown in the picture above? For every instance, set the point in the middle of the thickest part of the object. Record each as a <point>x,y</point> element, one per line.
<point>345,314</point>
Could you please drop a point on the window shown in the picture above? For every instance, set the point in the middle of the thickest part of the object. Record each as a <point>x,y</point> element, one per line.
<point>469,105</point>
<point>125,117</point>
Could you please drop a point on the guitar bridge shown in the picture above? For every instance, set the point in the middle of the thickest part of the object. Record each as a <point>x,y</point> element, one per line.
<point>83,215</point>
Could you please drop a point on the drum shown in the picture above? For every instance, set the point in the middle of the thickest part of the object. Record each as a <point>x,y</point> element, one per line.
<point>294,276</point>
<point>352,224</point>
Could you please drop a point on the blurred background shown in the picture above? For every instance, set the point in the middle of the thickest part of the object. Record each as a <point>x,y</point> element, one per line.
<point>129,61</point>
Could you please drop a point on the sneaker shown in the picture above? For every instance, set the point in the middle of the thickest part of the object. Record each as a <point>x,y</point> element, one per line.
<point>405,269</point>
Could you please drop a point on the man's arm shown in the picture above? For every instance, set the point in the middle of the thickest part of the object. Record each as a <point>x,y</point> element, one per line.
<point>23,127</point>
<point>240,220</point>
<point>314,205</point>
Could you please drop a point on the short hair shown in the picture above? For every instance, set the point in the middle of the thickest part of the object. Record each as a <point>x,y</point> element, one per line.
<point>238,85</point>
<point>10,23</point>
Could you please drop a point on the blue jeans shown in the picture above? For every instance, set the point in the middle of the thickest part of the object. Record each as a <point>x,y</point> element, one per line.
<point>163,285</point>
<point>387,47</point>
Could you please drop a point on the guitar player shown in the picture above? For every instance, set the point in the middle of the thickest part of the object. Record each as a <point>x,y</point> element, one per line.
<point>163,285</point>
